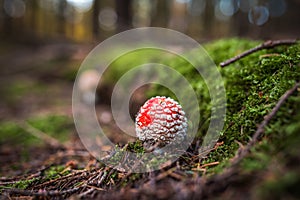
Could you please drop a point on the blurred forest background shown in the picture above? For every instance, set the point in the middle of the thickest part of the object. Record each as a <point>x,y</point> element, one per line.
<point>43,42</point>
<point>95,20</point>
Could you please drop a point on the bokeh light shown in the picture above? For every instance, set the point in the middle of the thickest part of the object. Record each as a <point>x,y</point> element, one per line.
<point>183,1</point>
<point>81,5</point>
<point>108,18</point>
<point>196,8</point>
<point>14,8</point>
<point>258,15</point>
<point>219,14</point>
<point>276,7</point>
<point>85,19</point>
<point>228,7</point>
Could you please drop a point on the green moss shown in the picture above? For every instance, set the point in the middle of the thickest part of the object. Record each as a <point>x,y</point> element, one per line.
<point>57,126</point>
<point>224,49</point>
<point>52,173</point>
<point>277,168</point>
<point>14,91</point>
<point>280,187</point>
<point>23,184</point>
<point>275,159</point>
<point>128,61</point>
<point>55,172</point>
<point>136,147</point>
<point>253,86</point>
<point>19,140</point>
<point>12,133</point>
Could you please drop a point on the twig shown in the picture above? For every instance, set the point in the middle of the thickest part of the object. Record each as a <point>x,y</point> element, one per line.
<point>243,151</point>
<point>266,45</point>
<point>231,173</point>
<point>66,177</point>
<point>210,164</point>
<point>98,179</point>
<point>41,193</point>
<point>96,188</point>
<point>165,174</point>
<point>86,192</point>
<point>8,183</point>
<point>41,135</point>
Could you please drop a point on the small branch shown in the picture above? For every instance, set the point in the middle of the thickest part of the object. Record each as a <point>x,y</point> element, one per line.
<point>86,192</point>
<point>210,164</point>
<point>41,135</point>
<point>52,181</point>
<point>8,183</point>
<point>40,193</point>
<point>219,181</point>
<point>246,149</point>
<point>266,45</point>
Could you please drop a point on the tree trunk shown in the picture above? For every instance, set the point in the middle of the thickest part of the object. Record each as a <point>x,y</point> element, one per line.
<point>161,15</point>
<point>61,17</point>
<point>95,19</point>
<point>124,10</point>
<point>7,26</point>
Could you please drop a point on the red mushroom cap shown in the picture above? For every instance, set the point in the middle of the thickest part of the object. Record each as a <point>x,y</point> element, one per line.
<point>161,119</point>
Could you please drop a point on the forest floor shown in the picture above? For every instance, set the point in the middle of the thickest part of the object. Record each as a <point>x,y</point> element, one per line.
<point>42,156</point>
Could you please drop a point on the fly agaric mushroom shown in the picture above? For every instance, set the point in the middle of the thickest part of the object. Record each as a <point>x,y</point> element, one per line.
<point>162,121</point>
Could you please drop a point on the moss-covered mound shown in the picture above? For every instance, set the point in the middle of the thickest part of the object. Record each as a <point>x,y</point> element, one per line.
<point>253,85</point>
